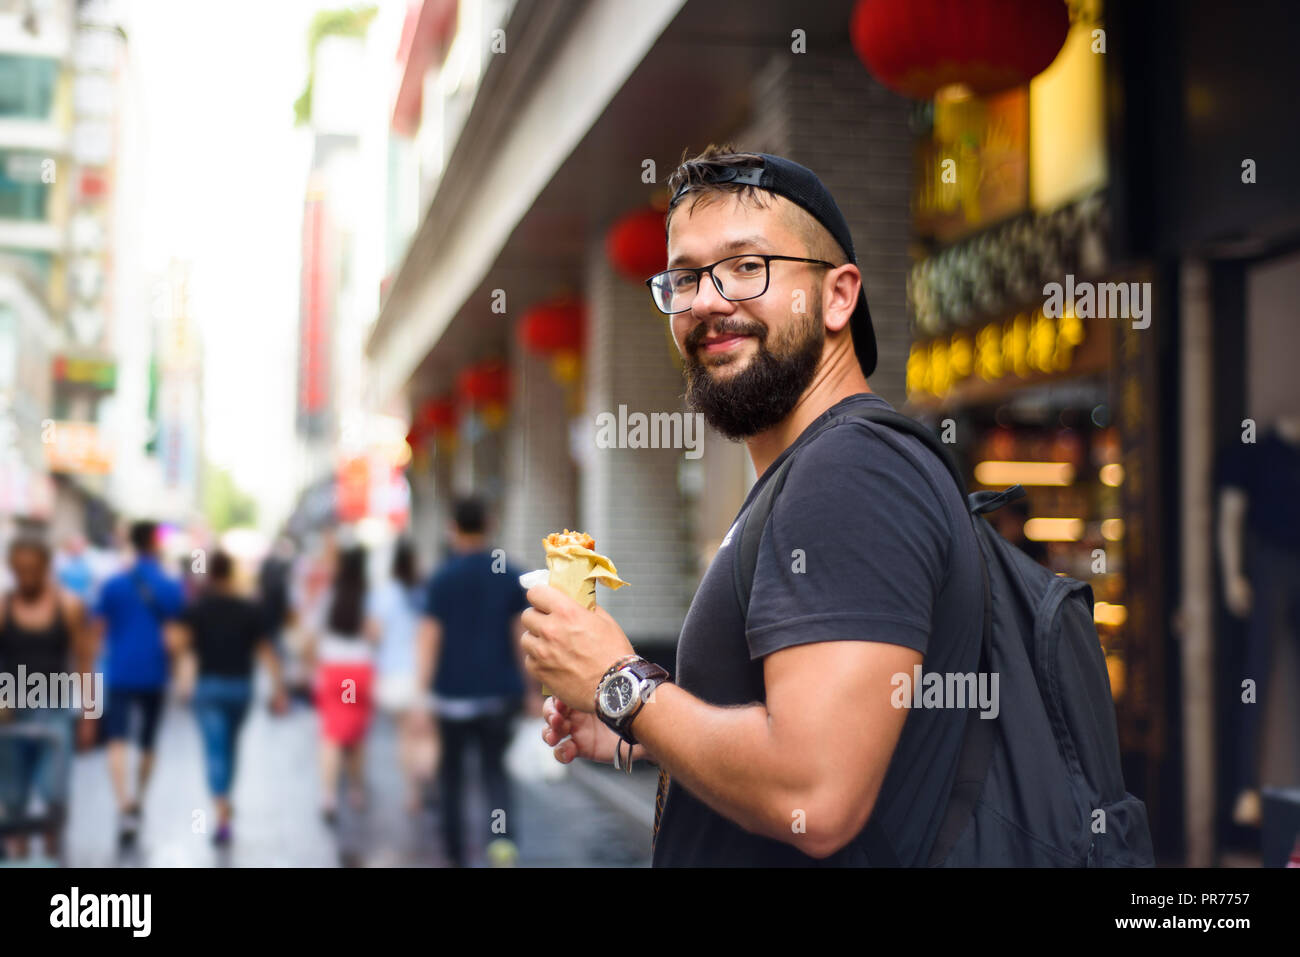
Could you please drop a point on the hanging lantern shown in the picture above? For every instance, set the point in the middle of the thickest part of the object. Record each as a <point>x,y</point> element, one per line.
<point>435,419</point>
<point>554,326</point>
<point>566,367</point>
<point>636,244</point>
<point>493,415</point>
<point>555,329</point>
<point>438,414</point>
<point>919,47</point>
<point>484,384</point>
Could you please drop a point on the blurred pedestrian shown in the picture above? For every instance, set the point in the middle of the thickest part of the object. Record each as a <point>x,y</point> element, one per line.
<point>73,570</point>
<point>133,608</point>
<point>469,655</point>
<point>392,617</point>
<point>309,593</point>
<point>42,630</point>
<point>343,682</point>
<point>273,581</point>
<point>226,633</point>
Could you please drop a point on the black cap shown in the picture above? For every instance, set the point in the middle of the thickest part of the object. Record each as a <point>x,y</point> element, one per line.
<point>801,186</point>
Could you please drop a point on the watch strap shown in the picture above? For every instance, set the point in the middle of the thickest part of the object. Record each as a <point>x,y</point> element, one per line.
<point>644,671</point>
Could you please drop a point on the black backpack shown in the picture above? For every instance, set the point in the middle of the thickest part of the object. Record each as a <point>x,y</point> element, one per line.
<point>1040,785</point>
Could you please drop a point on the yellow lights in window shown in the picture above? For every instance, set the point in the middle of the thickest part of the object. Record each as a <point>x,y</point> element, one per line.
<point>994,472</point>
<point>1104,613</point>
<point>1112,474</point>
<point>1025,344</point>
<point>1054,529</point>
<point>1112,529</point>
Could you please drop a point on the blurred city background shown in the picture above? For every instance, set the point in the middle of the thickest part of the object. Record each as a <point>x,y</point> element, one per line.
<point>287,278</point>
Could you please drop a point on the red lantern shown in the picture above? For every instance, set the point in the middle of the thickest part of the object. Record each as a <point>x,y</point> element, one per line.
<point>486,383</point>
<point>437,415</point>
<point>637,244</point>
<point>918,47</point>
<point>554,326</point>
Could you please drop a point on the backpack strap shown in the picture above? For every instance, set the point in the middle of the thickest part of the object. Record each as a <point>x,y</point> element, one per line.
<point>978,738</point>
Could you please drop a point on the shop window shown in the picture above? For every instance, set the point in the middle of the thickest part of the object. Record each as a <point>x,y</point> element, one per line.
<point>23,194</point>
<point>27,86</point>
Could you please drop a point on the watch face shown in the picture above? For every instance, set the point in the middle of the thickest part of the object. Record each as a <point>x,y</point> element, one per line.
<point>617,696</point>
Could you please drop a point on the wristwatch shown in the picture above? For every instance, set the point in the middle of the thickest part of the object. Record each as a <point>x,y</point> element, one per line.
<point>623,692</point>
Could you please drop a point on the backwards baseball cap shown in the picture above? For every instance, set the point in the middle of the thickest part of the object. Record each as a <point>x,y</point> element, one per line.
<point>800,186</point>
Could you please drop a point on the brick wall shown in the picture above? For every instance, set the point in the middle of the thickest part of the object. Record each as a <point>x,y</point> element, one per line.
<point>629,498</point>
<point>540,487</point>
<point>826,112</point>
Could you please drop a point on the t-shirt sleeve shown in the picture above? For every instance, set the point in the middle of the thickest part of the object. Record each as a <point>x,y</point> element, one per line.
<point>856,548</point>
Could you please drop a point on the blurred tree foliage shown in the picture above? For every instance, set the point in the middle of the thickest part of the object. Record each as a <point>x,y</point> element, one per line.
<point>348,22</point>
<point>225,505</point>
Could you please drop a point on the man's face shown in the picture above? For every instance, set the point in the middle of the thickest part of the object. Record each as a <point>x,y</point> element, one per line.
<point>29,570</point>
<point>746,363</point>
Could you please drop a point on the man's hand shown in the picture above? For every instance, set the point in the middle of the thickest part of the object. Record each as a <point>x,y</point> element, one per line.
<point>568,648</point>
<point>588,736</point>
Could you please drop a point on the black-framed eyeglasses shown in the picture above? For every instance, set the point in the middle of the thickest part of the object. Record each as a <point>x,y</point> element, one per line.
<point>736,278</point>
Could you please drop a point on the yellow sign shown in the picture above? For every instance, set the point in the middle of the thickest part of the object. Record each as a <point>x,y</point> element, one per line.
<point>1023,345</point>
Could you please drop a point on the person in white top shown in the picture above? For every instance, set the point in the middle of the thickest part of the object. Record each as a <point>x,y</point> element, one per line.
<point>392,617</point>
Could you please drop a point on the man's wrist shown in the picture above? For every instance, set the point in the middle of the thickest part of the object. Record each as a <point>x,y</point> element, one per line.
<point>627,728</point>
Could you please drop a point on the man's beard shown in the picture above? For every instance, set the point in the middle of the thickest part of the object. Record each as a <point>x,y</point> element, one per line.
<point>767,389</point>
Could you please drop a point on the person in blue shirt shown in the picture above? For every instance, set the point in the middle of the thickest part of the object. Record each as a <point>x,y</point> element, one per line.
<point>130,613</point>
<point>73,571</point>
<point>468,654</point>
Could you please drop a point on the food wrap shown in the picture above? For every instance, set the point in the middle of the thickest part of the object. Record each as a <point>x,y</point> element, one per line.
<point>575,568</point>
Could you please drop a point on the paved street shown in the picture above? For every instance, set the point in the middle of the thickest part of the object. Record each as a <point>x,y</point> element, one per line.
<point>563,819</point>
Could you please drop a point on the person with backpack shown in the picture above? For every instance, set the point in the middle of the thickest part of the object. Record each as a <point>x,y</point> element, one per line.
<point>131,612</point>
<point>853,572</point>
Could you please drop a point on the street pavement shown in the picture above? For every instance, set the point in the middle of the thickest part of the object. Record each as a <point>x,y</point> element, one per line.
<point>594,817</point>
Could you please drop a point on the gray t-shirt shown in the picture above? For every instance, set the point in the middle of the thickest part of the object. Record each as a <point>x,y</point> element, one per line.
<point>888,554</point>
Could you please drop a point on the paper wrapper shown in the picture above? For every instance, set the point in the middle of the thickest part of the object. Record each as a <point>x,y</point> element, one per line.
<point>575,568</point>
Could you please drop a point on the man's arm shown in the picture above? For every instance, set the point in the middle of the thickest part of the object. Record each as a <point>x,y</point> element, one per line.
<point>265,651</point>
<point>806,768</point>
<point>84,637</point>
<point>428,645</point>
